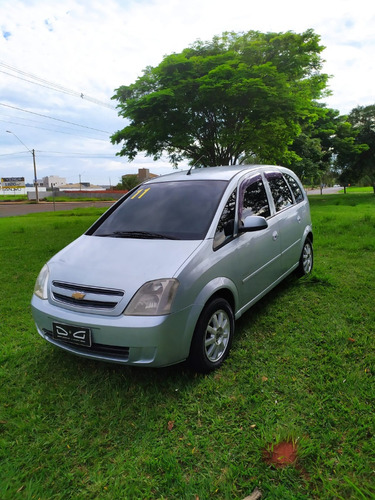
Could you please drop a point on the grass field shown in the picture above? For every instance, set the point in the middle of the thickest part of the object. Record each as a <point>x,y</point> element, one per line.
<point>301,370</point>
<point>359,189</point>
<point>42,196</point>
<point>86,198</point>
<point>13,197</point>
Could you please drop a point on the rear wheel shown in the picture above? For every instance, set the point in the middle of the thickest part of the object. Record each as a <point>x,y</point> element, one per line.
<point>306,260</point>
<point>212,337</point>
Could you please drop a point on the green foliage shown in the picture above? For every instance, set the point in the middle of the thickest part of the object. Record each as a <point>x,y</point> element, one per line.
<point>128,182</point>
<point>216,103</point>
<point>327,138</point>
<point>314,146</point>
<point>358,162</point>
<point>302,368</point>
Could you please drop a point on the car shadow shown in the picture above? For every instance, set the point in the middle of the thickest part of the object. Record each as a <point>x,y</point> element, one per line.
<point>261,307</point>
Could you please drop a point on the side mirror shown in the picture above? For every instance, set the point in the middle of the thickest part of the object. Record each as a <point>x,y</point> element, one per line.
<point>253,223</point>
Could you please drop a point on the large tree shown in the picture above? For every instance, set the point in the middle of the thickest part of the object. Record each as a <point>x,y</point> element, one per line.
<point>313,147</point>
<point>324,135</point>
<point>357,163</point>
<point>216,103</point>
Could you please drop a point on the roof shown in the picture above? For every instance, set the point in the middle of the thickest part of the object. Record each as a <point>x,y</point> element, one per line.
<point>225,173</point>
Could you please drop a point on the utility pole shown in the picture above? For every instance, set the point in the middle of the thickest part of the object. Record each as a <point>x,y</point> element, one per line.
<point>35,178</point>
<point>34,163</point>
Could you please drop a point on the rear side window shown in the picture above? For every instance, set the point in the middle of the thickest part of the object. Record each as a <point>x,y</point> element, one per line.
<point>281,193</point>
<point>293,184</point>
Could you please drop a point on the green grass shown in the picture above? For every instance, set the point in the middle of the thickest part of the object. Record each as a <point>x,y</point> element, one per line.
<point>358,189</point>
<point>13,197</point>
<point>42,197</point>
<point>68,199</point>
<point>301,368</point>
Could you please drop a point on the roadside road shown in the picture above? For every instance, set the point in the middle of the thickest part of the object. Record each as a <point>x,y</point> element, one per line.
<point>328,190</point>
<point>9,209</point>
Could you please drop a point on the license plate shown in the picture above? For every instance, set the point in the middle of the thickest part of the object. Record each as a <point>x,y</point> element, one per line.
<point>72,334</point>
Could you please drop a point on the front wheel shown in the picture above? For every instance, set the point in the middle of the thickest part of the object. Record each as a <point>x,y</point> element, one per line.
<point>306,260</point>
<point>212,337</point>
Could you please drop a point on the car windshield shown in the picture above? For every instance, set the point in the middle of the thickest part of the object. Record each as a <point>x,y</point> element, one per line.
<point>167,210</point>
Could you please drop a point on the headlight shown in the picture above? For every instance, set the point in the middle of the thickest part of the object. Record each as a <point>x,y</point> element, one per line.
<point>154,298</point>
<point>40,288</point>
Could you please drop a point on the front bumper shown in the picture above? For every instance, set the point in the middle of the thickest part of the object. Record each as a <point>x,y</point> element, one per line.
<point>133,340</point>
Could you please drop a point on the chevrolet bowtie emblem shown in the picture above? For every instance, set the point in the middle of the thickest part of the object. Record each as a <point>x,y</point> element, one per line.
<point>78,295</point>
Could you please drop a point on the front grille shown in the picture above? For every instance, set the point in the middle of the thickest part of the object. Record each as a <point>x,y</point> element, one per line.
<point>88,289</point>
<point>105,350</point>
<point>92,297</point>
<point>85,303</point>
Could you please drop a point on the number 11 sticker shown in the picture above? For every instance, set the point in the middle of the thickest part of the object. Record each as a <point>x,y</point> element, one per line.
<point>140,193</point>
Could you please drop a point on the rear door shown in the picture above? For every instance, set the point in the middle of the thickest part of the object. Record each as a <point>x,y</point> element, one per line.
<point>288,217</point>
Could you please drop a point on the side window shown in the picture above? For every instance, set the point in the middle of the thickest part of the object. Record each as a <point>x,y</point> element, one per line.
<point>294,186</point>
<point>255,201</point>
<point>280,190</point>
<point>224,230</point>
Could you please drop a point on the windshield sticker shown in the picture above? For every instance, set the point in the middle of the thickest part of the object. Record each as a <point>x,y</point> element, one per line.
<point>140,193</point>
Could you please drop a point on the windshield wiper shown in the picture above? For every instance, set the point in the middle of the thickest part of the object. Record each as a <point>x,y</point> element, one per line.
<point>147,235</point>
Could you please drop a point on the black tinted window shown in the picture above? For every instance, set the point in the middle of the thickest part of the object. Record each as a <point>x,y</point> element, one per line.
<point>255,200</point>
<point>224,230</point>
<point>298,195</point>
<point>179,209</point>
<point>280,191</point>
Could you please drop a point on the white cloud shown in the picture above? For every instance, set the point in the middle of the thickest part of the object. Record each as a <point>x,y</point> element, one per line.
<point>92,47</point>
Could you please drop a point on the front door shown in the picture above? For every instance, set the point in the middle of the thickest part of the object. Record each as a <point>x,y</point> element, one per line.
<point>258,252</point>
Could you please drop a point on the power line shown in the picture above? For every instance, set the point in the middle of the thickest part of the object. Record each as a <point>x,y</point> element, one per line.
<point>12,154</point>
<point>52,118</point>
<point>66,132</point>
<point>77,153</point>
<point>51,85</point>
<point>68,154</point>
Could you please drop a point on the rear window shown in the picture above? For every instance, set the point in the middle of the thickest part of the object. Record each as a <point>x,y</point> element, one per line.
<point>176,210</point>
<point>298,195</point>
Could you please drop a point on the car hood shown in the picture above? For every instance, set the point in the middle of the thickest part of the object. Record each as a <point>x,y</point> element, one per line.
<point>121,263</point>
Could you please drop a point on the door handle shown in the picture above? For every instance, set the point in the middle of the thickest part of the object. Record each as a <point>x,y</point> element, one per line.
<point>275,235</point>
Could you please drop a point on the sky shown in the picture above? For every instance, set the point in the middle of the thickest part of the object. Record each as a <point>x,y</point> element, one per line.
<point>61,61</point>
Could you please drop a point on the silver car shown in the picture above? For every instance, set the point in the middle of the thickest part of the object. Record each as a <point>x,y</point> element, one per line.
<point>162,276</point>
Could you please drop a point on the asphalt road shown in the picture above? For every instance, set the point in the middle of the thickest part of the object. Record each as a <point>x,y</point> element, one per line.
<point>9,209</point>
<point>328,190</point>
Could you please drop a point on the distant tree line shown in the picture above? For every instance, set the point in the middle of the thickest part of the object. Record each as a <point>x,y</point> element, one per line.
<point>247,98</point>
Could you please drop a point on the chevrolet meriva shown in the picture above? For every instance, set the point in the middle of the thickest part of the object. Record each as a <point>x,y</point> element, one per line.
<point>161,277</point>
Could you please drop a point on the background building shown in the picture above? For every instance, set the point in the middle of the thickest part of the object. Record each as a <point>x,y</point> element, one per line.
<point>53,181</point>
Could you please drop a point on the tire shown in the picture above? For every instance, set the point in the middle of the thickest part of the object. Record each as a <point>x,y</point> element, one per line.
<point>212,337</point>
<point>306,260</point>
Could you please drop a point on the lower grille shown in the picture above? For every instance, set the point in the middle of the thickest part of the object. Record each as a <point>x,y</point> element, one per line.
<point>109,351</point>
